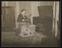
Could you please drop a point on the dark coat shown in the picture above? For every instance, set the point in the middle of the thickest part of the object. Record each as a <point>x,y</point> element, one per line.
<point>20,17</point>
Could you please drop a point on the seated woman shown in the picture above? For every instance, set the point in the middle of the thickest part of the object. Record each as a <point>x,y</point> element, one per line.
<point>24,23</point>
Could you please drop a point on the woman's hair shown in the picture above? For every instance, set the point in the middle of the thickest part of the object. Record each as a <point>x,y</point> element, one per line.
<point>23,10</point>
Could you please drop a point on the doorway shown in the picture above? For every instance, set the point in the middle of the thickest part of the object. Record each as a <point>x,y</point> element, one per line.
<point>8,18</point>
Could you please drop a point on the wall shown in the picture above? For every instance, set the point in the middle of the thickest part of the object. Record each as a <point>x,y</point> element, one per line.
<point>8,3</point>
<point>46,3</point>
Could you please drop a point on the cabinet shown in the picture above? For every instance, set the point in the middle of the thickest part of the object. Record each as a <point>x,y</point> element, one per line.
<point>44,21</point>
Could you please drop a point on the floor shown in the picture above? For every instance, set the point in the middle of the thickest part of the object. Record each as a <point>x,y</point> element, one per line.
<point>11,39</point>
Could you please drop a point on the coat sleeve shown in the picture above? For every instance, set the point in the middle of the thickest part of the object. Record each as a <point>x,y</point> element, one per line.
<point>19,19</point>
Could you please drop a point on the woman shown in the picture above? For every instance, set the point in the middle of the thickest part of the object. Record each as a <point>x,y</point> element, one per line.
<point>23,21</point>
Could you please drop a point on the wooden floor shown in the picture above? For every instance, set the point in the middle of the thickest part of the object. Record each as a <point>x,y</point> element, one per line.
<point>11,39</point>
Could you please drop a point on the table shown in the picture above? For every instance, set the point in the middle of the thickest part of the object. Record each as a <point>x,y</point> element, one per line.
<point>27,30</point>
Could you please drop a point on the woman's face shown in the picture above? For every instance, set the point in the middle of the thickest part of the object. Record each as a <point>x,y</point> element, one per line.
<point>24,12</point>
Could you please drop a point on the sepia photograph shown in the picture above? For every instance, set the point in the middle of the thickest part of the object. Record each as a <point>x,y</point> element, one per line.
<point>30,24</point>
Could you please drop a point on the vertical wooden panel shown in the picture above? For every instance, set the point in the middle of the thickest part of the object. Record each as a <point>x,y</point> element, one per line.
<point>8,18</point>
